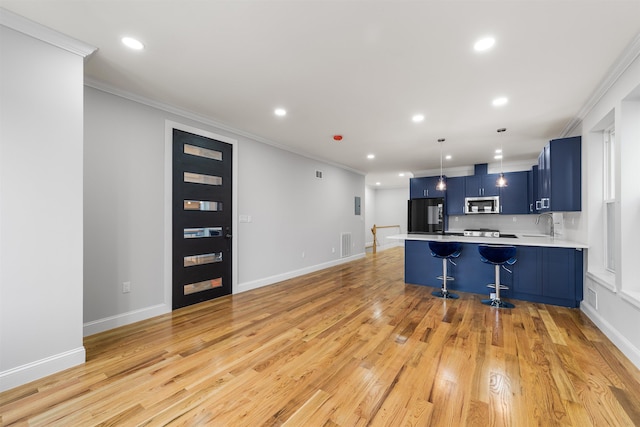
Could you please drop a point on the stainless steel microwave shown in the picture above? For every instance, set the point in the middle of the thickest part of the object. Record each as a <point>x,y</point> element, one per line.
<point>482,205</point>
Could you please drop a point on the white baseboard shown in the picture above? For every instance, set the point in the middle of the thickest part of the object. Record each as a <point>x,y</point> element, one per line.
<point>247,286</point>
<point>111,322</point>
<point>623,344</point>
<point>41,368</point>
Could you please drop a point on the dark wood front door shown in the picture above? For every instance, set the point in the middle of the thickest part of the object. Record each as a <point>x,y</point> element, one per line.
<point>201,218</point>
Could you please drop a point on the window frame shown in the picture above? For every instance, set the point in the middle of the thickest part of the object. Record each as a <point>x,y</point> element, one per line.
<point>609,198</point>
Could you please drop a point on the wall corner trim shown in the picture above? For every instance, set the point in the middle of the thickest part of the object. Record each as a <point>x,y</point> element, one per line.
<point>45,34</point>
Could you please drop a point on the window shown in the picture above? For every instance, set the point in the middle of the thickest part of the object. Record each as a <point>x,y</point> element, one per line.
<point>609,199</point>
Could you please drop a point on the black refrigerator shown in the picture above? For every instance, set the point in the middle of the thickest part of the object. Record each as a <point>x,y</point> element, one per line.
<point>426,216</point>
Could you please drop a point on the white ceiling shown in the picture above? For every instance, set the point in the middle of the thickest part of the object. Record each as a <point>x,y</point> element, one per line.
<point>360,69</point>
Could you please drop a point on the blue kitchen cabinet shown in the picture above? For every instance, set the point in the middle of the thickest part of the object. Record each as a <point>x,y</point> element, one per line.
<point>455,195</point>
<point>481,185</point>
<point>527,272</point>
<point>425,187</point>
<point>548,275</point>
<point>559,176</point>
<point>544,181</point>
<point>514,198</point>
<point>469,273</point>
<point>561,270</point>
<point>473,275</point>
<point>420,268</point>
<point>533,189</point>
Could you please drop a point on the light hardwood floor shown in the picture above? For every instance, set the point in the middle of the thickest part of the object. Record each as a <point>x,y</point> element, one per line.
<point>349,346</point>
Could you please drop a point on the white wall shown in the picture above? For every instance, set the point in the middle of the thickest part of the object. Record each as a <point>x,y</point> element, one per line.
<point>40,208</point>
<point>617,311</point>
<point>296,219</point>
<point>390,207</point>
<point>370,217</point>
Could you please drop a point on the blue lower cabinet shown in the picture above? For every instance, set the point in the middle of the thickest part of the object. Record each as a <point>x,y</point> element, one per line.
<point>420,268</point>
<point>549,275</point>
<point>562,274</point>
<point>473,275</point>
<point>469,273</point>
<point>526,272</point>
<point>541,274</point>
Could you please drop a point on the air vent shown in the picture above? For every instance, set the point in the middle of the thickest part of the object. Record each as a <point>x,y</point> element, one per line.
<point>345,245</point>
<point>319,174</point>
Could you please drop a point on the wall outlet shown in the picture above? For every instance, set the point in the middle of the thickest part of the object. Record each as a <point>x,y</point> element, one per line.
<point>126,287</point>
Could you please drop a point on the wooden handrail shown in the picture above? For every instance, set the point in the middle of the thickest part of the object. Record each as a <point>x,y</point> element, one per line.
<point>374,229</point>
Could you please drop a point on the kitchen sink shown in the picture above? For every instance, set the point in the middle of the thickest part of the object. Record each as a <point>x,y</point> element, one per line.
<point>508,236</point>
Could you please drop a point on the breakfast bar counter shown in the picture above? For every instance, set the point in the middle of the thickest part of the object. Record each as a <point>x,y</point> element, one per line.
<point>548,270</point>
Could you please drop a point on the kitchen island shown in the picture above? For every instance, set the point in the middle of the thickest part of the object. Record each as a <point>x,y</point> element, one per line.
<point>549,270</point>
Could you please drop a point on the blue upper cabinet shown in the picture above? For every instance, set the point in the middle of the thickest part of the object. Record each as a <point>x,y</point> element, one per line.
<point>533,189</point>
<point>481,185</point>
<point>455,195</point>
<point>425,187</point>
<point>560,176</point>
<point>514,198</point>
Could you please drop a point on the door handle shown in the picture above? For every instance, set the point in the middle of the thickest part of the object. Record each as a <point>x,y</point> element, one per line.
<point>228,236</point>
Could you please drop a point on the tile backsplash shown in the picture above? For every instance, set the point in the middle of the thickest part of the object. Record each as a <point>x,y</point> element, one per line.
<point>503,223</point>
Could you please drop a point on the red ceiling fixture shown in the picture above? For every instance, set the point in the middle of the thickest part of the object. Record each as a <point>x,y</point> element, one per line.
<point>337,137</point>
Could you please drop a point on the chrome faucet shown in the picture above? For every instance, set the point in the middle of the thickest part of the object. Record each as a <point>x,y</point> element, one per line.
<point>551,230</point>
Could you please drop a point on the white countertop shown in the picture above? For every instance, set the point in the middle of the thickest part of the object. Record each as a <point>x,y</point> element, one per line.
<point>522,239</point>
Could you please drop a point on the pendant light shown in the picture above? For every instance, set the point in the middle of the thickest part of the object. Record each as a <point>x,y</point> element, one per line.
<point>442,185</point>
<point>501,181</point>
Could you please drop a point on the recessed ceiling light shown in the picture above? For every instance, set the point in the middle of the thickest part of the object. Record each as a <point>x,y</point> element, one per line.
<point>417,118</point>
<point>401,174</point>
<point>499,150</point>
<point>132,43</point>
<point>378,183</point>
<point>484,44</point>
<point>280,112</point>
<point>499,102</point>
<point>498,156</point>
<point>447,157</point>
<point>371,156</point>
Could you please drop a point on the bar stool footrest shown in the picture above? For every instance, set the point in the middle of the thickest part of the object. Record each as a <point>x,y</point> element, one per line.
<point>502,287</point>
<point>448,278</point>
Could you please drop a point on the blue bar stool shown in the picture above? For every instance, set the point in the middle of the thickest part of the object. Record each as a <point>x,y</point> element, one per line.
<point>498,256</point>
<point>446,251</point>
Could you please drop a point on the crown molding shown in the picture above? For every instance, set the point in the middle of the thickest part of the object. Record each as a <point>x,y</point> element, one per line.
<point>45,34</point>
<point>626,58</point>
<point>104,87</point>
